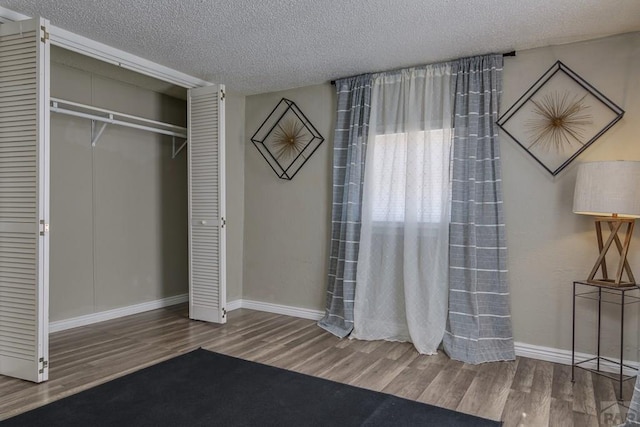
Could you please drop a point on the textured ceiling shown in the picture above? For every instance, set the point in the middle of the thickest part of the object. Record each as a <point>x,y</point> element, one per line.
<point>267,45</point>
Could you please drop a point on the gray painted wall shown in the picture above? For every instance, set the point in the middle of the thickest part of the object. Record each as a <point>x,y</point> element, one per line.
<point>287,223</point>
<point>235,147</point>
<point>119,210</point>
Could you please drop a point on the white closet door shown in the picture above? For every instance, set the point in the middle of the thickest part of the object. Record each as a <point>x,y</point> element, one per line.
<point>207,281</point>
<point>24,199</point>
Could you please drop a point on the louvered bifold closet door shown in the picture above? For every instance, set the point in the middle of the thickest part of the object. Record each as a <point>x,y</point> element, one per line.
<point>24,203</point>
<point>207,287</point>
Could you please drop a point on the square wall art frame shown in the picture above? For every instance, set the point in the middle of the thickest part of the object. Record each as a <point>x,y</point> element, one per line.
<point>559,117</point>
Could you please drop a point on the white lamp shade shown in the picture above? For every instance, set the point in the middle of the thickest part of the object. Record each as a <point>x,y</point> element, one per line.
<point>606,188</point>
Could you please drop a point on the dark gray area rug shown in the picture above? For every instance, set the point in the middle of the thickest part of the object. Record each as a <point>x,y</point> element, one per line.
<point>203,388</point>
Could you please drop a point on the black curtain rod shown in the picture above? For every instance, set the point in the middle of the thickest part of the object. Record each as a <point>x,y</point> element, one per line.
<point>512,53</point>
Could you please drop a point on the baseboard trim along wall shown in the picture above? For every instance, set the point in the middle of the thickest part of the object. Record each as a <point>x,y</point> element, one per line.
<point>287,310</point>
<point>563,357</point>
<point>548,354</point>
<point>88,319</point>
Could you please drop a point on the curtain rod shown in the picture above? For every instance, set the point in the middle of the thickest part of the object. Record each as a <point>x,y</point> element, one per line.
<point>512,53</point>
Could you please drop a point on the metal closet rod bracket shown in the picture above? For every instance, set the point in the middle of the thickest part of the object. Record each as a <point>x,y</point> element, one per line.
<point>175,152</point>
<point>95,136</point>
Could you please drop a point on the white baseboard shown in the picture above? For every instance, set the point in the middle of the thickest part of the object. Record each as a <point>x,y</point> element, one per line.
<point>234,305</point>
<point>287,310</point>
<point>88,319</point>
<point>563,357</point>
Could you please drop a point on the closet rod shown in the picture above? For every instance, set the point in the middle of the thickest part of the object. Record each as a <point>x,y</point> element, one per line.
<point>172,130</point>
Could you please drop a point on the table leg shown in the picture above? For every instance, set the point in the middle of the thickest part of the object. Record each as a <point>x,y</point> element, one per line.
<point>621,342</point>
<point>573,335</point>
<point>599,319</point>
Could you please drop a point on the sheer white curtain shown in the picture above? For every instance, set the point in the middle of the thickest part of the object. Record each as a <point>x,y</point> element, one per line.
<point>401,283</point>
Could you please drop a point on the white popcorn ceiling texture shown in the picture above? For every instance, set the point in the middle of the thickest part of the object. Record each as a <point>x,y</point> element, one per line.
<point>268,45</point>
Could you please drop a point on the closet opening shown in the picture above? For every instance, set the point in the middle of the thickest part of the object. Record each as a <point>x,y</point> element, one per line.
<point>119,192</point>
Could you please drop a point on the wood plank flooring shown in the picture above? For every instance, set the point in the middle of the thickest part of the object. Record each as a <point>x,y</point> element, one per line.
<point>525,392</point>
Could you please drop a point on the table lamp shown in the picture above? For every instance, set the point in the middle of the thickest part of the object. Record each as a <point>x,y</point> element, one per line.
<point>610,190</point>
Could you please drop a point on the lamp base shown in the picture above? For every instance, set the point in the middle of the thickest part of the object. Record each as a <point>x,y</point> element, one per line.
<point>615,225</point>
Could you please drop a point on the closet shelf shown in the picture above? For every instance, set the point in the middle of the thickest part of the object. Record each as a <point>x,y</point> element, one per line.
<point>106,117</point>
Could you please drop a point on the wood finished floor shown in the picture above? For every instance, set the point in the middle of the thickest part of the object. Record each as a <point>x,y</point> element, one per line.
<point>525,392</point>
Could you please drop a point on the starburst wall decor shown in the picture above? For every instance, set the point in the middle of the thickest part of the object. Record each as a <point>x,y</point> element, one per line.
<point>286,139</point>
<point>559,117</point>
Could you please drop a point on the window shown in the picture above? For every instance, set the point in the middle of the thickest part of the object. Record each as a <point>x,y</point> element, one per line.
<point>408,174</point>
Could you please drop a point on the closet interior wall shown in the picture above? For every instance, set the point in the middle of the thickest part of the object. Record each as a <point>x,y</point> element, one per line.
<point>119,211</point>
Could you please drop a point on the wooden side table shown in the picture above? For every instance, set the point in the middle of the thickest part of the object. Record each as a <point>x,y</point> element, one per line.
<point>595,293</point>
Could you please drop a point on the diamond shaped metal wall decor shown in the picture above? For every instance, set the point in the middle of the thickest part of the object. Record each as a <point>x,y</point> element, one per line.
<point>286,139</point>
<point>559,117</point>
